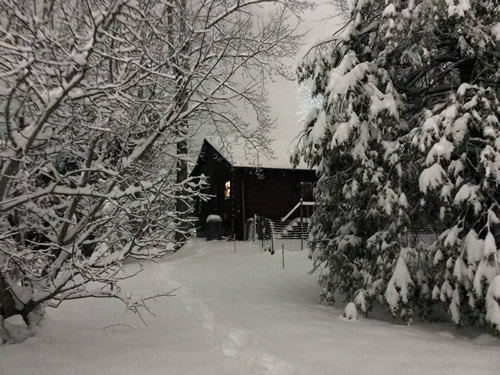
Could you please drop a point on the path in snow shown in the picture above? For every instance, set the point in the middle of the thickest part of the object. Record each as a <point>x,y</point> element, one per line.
<point>270,319</point>
<point>239,314</point>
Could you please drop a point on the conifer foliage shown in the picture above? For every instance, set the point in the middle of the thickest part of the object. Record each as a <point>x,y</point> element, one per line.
<point>408,134</point>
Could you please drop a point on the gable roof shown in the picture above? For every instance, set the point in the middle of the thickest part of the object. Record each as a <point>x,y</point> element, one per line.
<point>239,158</point>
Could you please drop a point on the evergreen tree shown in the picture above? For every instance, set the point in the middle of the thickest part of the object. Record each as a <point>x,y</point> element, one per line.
<point>410,113</point>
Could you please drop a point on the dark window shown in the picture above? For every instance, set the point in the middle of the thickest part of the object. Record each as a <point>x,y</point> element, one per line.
<point>306,191</point>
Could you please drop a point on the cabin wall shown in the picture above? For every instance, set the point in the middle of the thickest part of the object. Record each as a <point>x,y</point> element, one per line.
<point>274,193</point>
<point>271,193</point>
<point>218,172</point>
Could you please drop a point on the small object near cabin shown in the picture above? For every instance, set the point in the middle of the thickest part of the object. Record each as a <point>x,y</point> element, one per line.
<point>214,227</point>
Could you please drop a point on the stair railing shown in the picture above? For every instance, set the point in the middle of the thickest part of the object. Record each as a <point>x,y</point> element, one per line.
<point>300,204</point>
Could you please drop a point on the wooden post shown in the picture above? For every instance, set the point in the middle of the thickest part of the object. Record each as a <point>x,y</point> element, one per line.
<point>283,255</point>
<point>255,238</point>
<point>234,242</point>
<point>243,213</point>
<point>262,233</point>
<point>272,237</point>
<point>301,224</point>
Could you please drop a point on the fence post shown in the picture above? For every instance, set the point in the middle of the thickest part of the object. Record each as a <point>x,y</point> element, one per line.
<point>255,238</point>
<point>262,231</point>
<point>301,224</point>
<point>283,254</point>
<point>272,236</point>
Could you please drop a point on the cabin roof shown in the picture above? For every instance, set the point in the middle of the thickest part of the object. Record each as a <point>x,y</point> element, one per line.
<point>239,158</point>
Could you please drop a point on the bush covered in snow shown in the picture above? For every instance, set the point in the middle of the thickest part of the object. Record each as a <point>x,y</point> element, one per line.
<point>351,312</point>
<point>408,133</point>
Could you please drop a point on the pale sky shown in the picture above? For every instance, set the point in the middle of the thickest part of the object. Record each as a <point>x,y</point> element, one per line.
<point>320,23</point>
<point>283,95</point>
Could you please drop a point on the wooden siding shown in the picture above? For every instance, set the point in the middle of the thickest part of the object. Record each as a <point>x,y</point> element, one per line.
<point>274,193</point>
<point>267,192</point>
<point>218,171</point>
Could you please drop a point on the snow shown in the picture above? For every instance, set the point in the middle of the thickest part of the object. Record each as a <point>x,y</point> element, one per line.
<point>360,301</point>
<point>459,9</point>
<point>431,126</point>
<point>473,247</point>
<point>400,282</point>
<point>388,103</point>
<point>339,85</point>
<point>446,291</point>
<point>311,116</point>
<point>237,156</point>
<point>342,134</point>
<point>431,178</point>
<point>389,11</point>
<point>239,314</point>
<point>459,269</point>
<point>490,247</point>
<point>350,311</point>
<point>337,77</point>
<point>319,128</point>
<point>452,238</point>
<point>403,202</point>
<point>442,149</point>
<point>455,306</point>
<point>493,302</point>
<point>496,31</point>
<point>484,272</point>
<point>214,219</point>
<point>464,87</point>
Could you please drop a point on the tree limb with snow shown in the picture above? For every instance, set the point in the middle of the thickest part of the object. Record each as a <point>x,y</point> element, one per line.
<point>407,135</point>
<point>92,97</point>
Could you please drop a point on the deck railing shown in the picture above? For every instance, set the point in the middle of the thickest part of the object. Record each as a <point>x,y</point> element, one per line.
<point>300,205</point>
<point>271,232</point>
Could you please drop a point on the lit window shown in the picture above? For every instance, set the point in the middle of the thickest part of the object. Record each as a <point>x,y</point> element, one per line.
<point>227,190</point>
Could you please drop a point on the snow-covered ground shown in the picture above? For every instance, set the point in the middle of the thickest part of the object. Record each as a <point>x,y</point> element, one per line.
<point>239,314</point>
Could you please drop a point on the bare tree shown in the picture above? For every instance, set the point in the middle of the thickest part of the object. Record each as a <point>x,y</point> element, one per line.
<point>98,99</point>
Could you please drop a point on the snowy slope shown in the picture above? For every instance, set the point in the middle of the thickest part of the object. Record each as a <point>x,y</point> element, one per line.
<point>238,314</point>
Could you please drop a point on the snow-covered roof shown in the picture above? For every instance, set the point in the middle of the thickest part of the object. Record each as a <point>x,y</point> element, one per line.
<point>239,156</point>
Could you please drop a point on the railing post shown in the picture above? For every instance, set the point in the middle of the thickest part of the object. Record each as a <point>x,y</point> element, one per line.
<point>283,255</point>
<point>262,230</point>
<point>301,224</point>
<point>255,238</point>
<point>272,236</point>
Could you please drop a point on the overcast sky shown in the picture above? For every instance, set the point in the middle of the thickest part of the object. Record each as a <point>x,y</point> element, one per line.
<point>283,95</point>
<point>319,24</point>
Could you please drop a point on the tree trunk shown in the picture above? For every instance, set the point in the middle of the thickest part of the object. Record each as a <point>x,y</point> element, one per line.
<point>7,303</point>
<point>7,308</point>
<point>181,205</point>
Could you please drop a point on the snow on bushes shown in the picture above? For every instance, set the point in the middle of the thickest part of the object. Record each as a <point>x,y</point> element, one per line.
<point>398,289</point>
<point>351,312</point>
<point>493,302</point>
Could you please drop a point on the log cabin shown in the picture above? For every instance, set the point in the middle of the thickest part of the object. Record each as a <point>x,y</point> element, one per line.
<point>239,190</point>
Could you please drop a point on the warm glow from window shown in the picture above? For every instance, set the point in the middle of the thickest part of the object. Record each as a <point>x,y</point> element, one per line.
<point>227,190</point>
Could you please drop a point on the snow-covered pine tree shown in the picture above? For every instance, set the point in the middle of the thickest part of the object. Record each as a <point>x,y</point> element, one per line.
<point>443,57</point>
<point>441,61</point>
<point>353,142</point>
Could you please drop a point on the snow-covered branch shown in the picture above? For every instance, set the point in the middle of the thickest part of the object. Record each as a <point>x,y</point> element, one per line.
<point>97,100</point>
